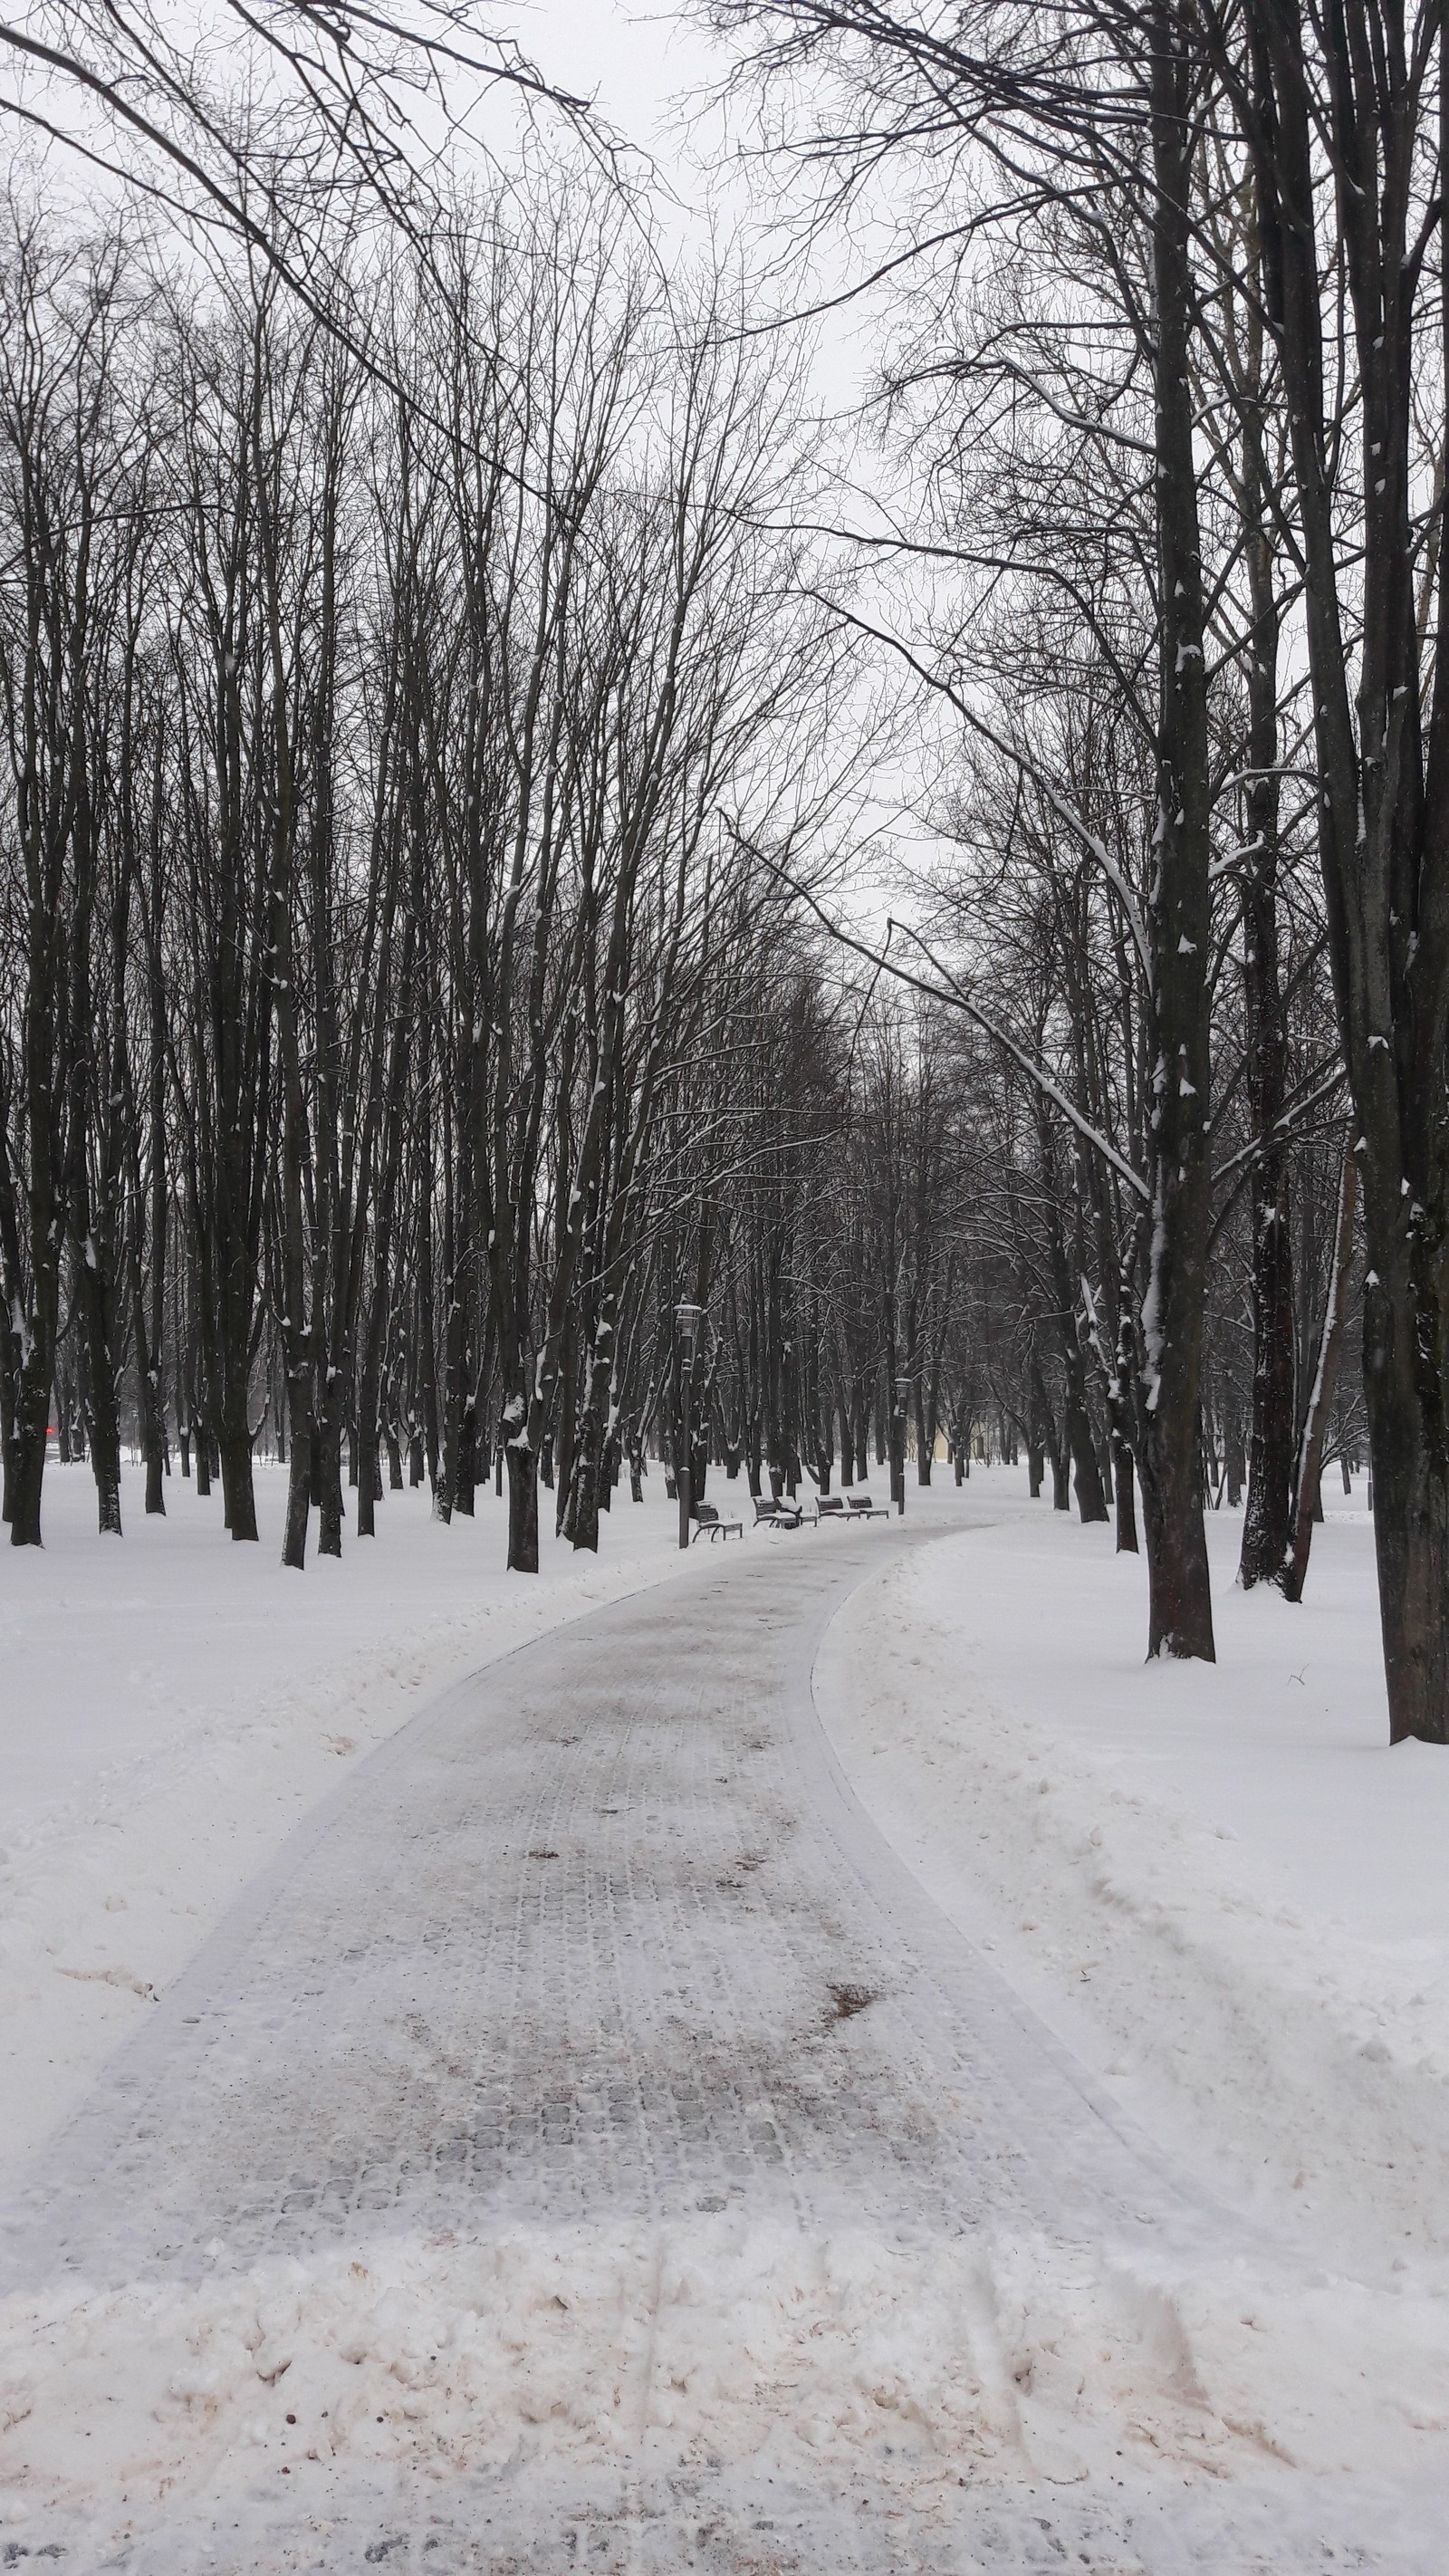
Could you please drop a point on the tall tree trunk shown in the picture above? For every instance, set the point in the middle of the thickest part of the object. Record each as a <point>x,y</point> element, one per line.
<point>330,1506</point>
<point>564,1422</point>
<point>1126,1502</point>
<point>238,1491</point>
<point>522,1487</point>
<point>7,1431</point>
<point>1265,1549</point>
<point>1055,1448</point>
<point>103,1420</point>
<point>369,1407</point>
<point>1180,1621</point>
<point>467,1470</point>
<point>299,1471</point>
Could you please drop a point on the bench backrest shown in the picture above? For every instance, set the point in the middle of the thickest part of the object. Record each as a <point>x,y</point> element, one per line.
<point>831,1503</point>
<point>705,1514</point>
<point>861,1503</point>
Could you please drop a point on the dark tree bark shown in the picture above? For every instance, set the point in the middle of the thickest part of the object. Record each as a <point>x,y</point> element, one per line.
<point>1054,1447</point>
<point>1335,114</point>
<point>1087,1475</point>
<point>1265,1549</point>
<point>1180,1621</point>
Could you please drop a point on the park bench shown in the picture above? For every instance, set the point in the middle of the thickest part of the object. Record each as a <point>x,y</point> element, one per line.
<point>707,1521</point>
<point>773,1515</point>
<point>830,1507</point>
<point>859,1507</point>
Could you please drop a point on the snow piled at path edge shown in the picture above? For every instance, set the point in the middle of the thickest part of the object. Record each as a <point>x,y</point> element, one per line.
<point>713,2346</point>
<point>1218,1884</point>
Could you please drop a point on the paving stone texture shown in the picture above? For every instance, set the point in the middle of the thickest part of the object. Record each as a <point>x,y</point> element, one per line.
<point>604,1937</point>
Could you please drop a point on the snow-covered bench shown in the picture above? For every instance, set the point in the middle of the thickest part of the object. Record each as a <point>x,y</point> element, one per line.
<point>859,1507</point>
<point>773,1515</point>
<point>707,1520</point>
<point>830,1507</point>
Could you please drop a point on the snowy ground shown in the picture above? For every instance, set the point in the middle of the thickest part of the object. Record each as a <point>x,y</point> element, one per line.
<point>507,2184</point>
<point>1217,1883</point>
<point>171,1704</point>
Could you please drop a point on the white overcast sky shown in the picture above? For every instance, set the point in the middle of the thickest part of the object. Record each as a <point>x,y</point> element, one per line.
<point>632,56</point>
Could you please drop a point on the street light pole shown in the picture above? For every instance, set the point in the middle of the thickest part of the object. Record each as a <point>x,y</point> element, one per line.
<point>686,1326</point>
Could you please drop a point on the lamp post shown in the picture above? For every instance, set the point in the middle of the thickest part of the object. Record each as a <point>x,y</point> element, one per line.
<point>686,1328</point>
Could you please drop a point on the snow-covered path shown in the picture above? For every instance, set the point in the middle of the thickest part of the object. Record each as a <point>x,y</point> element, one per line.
<point>587,2145</point>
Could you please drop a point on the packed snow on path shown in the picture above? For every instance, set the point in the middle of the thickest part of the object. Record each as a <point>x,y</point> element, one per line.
<point>171,1704</point>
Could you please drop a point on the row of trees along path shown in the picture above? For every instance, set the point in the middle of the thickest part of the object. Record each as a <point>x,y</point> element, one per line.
<point>434,757</point>
<point>1167,346</point>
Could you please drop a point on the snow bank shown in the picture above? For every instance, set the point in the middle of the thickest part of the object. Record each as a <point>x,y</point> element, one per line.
<point>1217,1882</point>
<point>721,2344</point>
<point>170,1705</point>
